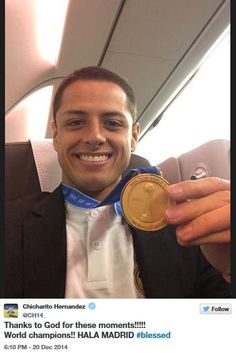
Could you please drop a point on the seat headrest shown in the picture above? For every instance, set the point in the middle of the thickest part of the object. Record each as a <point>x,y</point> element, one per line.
<point>48,168</point>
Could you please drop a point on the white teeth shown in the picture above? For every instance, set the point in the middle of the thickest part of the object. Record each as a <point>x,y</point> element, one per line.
<point>90,158</point>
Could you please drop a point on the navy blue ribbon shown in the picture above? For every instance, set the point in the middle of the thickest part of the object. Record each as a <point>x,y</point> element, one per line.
<point>78,199</point>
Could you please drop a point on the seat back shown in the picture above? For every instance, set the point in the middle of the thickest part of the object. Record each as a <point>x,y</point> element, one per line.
<point>209,159</point>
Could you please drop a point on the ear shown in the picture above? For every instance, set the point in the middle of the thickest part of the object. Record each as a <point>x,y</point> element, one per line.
<point>135,136</point>
<point>54,134</point>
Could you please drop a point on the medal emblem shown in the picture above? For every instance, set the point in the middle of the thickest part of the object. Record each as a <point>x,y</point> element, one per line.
<point>144,201</point>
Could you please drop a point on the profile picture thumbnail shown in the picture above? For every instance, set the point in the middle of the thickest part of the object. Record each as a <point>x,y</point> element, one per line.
<point>10,310</point>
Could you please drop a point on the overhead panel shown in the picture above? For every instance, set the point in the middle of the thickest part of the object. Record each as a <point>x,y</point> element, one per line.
<point>150,39</point>
<point>187,66</point>
<point>87,28</point>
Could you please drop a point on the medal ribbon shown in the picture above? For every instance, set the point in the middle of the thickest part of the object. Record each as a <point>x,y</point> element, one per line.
<point>78,199</point>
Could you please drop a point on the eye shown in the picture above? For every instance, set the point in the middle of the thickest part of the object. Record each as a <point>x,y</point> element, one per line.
<point>75,123</point>
<point>113,124</point>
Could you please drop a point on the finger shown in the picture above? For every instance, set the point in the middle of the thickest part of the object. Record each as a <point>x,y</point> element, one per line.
<point>191,189</point>
<point>207,223</point>
<point>213,238</point>
<point>185,211</point>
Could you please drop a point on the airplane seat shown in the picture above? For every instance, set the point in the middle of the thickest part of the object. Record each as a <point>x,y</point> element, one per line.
<point>209,159</point>
<point>32,165</point>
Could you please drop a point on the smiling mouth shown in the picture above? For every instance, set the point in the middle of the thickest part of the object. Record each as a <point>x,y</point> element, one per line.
<point>103,157</point>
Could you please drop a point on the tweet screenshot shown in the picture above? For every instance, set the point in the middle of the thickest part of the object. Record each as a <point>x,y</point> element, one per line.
<point>128,325</point>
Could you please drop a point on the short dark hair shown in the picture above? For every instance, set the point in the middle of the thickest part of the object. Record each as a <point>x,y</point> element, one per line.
<point>95,73</point>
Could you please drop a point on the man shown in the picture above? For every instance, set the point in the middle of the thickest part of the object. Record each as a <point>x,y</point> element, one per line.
<point>68,244</point>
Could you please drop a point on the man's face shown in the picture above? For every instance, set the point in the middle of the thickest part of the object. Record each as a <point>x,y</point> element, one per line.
<point>94,136</point>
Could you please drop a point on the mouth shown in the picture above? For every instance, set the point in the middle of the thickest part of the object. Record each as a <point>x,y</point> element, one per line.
<point>94,158</point>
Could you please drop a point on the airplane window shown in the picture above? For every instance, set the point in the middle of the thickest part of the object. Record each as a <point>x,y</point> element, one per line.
<point>200,113</point>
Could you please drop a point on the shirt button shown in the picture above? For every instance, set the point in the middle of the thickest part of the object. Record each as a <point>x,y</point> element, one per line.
<point>94,213</point>
<point>97,245</point>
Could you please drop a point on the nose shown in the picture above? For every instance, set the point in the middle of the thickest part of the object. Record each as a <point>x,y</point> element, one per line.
<point>94,134</point>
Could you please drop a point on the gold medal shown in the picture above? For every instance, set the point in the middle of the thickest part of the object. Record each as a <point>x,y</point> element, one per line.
<point>144,201</point>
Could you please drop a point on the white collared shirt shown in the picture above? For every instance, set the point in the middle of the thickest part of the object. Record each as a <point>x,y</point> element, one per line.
<point>100,254</point>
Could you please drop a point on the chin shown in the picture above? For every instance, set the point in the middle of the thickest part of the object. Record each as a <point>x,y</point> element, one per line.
<point>98,185</point>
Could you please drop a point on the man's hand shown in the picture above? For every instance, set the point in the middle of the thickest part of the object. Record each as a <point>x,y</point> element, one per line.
<point>202,213</point>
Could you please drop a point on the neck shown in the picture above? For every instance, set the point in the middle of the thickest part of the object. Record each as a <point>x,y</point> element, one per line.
<point>98,195</point>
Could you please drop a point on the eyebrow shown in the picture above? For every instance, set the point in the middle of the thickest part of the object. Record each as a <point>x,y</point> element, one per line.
<point>76,112</point>
<point>81,112</point>
<point>112,113</point>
